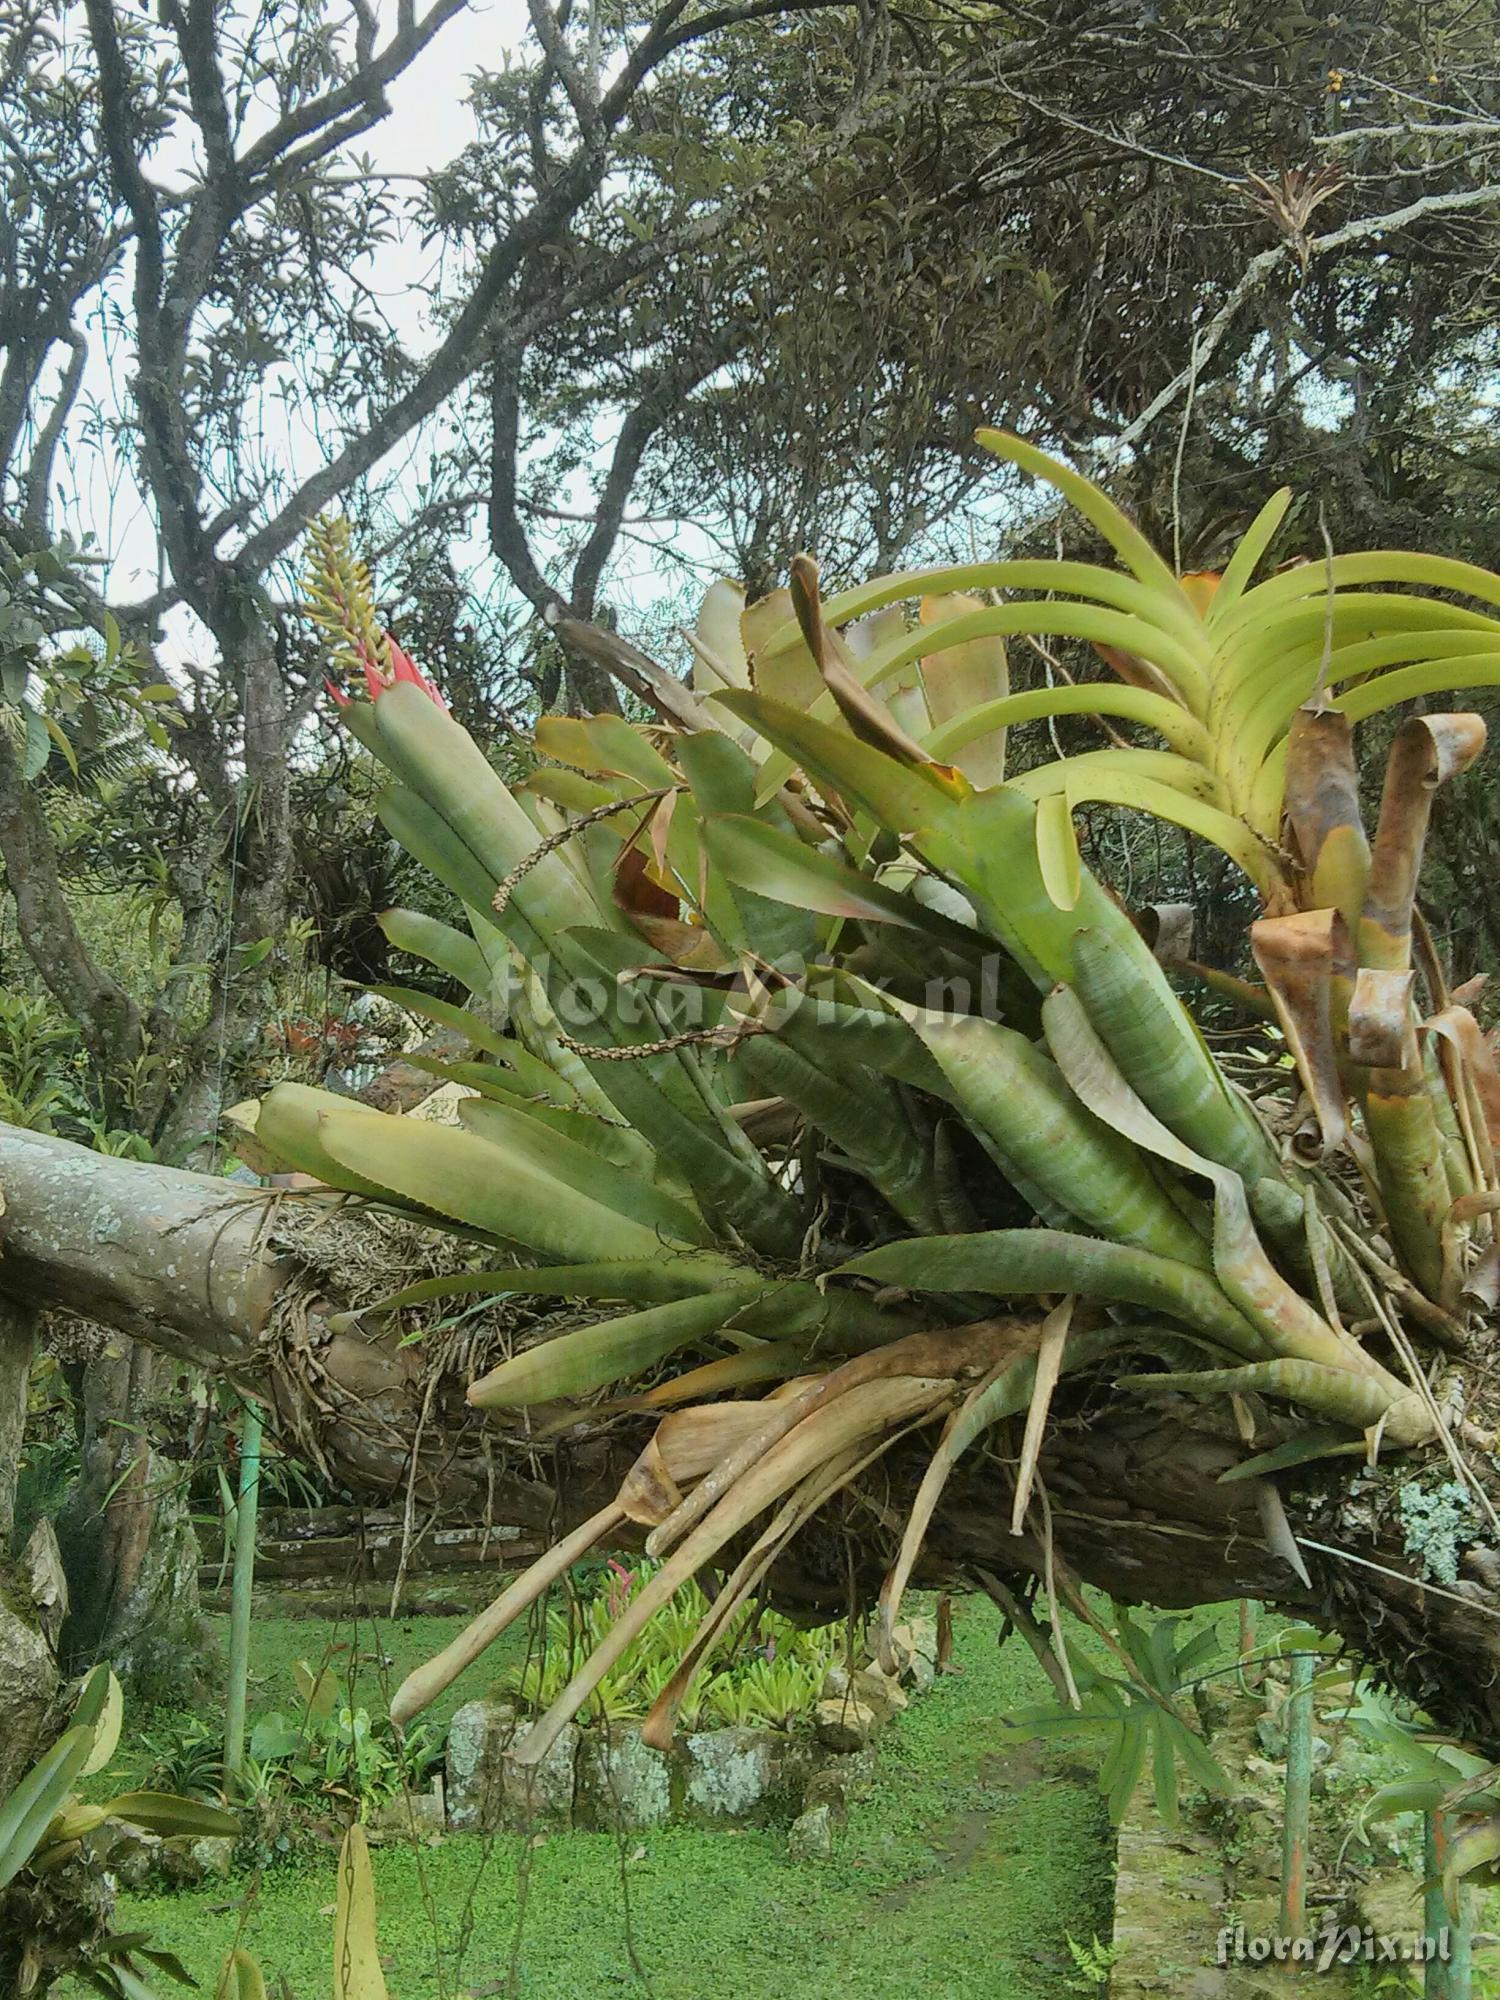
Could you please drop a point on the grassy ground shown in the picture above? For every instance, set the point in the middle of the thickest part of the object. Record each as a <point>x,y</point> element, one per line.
<point>963,1876</point>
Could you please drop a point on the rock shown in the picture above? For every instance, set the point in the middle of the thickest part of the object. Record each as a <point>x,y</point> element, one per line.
<point>478,1738</point>
<point>812,1835</point>
<point>538,1798</point>
<point>844,1722</point>
<point>414,1815</point>
<point>919,1636</point>
<point>213,1856</point>
<point>854,1770</point>
<point>881,1692</point>
<point>188,1862</point>
<point>1213,1707</point>
<point>744,1774</point>
<point>609,1781</point>
<point>919,1674</point>
<point>134,1855</point>
<point>826,1788</point>
<point>903,1650</point>
<point>1259,1832</point>
<point>28,1675</point>
<point>489,1791</point>
<point>621,1783</point>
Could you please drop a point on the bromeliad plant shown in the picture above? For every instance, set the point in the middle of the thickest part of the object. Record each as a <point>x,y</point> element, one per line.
<point>769,1670</point>
<point>824,1062</point>
<point>1218,671</point>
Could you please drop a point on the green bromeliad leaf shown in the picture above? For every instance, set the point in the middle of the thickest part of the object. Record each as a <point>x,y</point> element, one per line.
<point>1007,1262</point>
<point>613,1350</point>
<point>414,932</point>
<point>1016,1098</point>
<point>778,865</point>
<point>523,1137</point>
<point>462,1176</point>
<point>443,1013</point>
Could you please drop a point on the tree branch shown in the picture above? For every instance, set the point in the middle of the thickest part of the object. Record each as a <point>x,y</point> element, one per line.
<point>670,387</point>
<point>108,1016</point>
<point>360,91</point>
<point>507,536</point>
<point>161,347</point>
<point>35,506</point>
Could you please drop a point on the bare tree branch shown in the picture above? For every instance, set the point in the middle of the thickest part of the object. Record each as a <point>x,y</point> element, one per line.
<point>39,472</point>
<point>360,95</point>
<point>1364,229</point>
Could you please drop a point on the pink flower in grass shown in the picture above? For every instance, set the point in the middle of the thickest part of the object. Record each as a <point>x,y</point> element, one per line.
<point>620,1588</point>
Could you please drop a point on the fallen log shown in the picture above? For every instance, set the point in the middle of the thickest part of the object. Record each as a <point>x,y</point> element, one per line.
<point>260,1288</point>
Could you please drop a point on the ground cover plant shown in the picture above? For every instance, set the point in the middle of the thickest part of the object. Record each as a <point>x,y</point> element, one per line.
<point>768,1670</point>
<point>992,1855</point>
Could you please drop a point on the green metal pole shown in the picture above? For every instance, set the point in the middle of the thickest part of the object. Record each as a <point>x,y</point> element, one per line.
<point>1298,1795</point>
<point>240,1602</point>
<point>1250,1675</point>
<point>1451,1978</point>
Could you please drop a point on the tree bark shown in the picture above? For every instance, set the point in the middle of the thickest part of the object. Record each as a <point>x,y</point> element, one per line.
<point>18,1322</point>
<point>217,1275</point>
<point>212,1274</point>
<point>127,1540</point>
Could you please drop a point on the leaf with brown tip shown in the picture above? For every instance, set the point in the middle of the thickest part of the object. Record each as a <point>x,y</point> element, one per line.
<point>1382,1029</point>
<point>1322,812</point>
<point>1458,1027</point>
<point>869,718</point>
<point>1304,958</point>
<point>1427,750</point>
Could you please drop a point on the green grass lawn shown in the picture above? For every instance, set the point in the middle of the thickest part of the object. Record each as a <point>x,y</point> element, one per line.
<point>962,1876</point>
